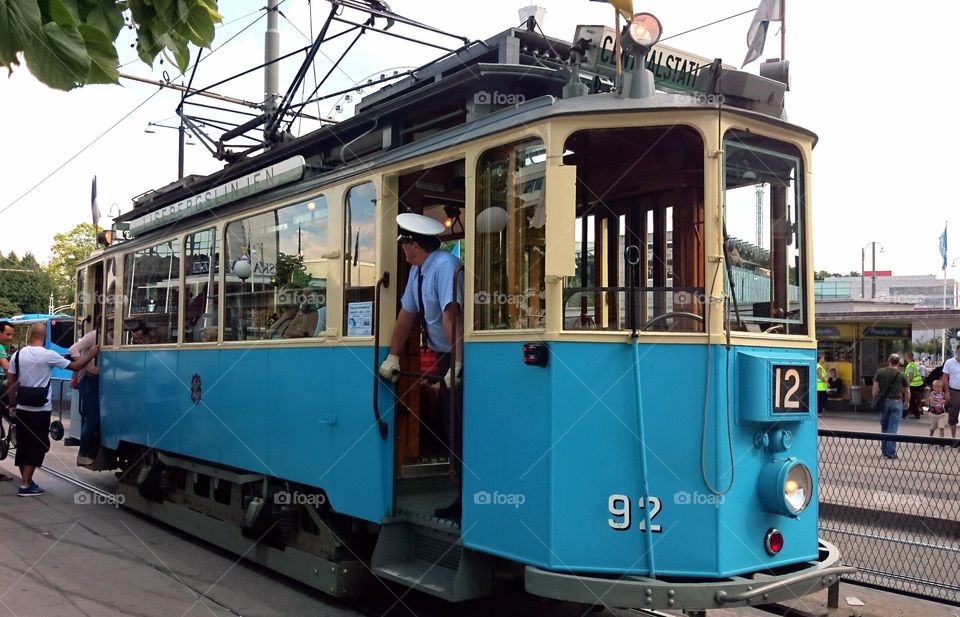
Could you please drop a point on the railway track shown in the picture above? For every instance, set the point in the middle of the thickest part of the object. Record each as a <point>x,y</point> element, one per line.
<point>393,601</point>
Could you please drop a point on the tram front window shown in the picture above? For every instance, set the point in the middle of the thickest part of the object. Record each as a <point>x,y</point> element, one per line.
<point>639,230</point>
<point>764,225</point>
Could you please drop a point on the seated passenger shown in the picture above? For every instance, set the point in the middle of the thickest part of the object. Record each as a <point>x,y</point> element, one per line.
<point>310,320</point>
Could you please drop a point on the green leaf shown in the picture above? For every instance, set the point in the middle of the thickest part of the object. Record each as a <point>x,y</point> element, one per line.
<point>147,46</point>
<point>19,26</point>
<point>58,58</point>
<point>64,12</point>
<point>105,15</point>
<point>201,27</point>
<point>103,56</point>
<point>180,49</point>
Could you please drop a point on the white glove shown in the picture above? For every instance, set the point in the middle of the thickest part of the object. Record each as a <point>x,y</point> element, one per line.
<point>390,369</point>
<point>456,369</point>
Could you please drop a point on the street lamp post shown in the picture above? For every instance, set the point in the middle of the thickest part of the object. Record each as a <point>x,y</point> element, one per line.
<point>873,273</point>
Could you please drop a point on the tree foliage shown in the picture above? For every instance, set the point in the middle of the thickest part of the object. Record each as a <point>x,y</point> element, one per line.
<point>71,43</point>
<point>68,250</point>
<point>24,284</point>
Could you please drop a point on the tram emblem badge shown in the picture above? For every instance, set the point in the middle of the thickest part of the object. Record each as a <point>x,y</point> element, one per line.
<point>195,388</point>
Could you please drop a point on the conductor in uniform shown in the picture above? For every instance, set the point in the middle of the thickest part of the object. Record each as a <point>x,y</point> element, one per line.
<point>428,299</point>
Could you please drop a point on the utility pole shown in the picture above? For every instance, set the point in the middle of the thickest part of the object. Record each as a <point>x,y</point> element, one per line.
<point>271,70</point>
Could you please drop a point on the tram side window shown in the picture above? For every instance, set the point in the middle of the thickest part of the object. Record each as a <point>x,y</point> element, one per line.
<point>638,230</point>
<point>152,284</point>
<point>82,303</point>
<point>359,260</point>
<point>510,238</point>
<point>201,273</point>
<point>763,214</point>
<point>109,300</point>
<point>277,272</point>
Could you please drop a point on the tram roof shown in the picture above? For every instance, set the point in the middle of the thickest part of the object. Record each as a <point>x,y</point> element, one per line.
<point>515,61</point>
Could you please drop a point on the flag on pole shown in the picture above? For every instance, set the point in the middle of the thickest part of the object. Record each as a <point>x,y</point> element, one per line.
<point>769,10</point>
<point>943,247</point>
<point>94,209</point>
<point>625,7</point>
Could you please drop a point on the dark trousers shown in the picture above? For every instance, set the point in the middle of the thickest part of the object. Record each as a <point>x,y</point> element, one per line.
<point>821,400</point>
<point>452,419</point>
<point>916,397</point>
<point>90,415</point>
<point>33,437</point>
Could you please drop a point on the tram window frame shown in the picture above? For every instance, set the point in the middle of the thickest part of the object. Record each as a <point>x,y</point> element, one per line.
<point>201,325</point>
<point>510,248</point>
<point>657,206</point>
<point>111,299</point>
<point>358,299</point>
<point>150,327</point>
<point>291,309</point>
<point>757,157</point>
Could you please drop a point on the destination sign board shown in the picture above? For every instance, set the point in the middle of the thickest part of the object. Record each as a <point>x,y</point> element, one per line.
<point>259,181</point>
<point>674,70</point>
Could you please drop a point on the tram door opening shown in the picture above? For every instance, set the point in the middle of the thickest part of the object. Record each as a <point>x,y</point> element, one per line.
<point>423,422</point>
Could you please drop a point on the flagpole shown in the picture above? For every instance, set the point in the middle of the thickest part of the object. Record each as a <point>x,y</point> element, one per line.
<point>783,29</point>
<point>943,342</point>
<point>616,43</point>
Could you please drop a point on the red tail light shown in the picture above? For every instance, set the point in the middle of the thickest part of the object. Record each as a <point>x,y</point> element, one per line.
<point>535,354</point>
<point>773,542</point>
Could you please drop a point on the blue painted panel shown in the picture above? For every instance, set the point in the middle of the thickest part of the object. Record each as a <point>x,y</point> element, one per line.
<point>244,407</point>
<point>580,437</point>
<point>203,425</point>
<point>303,414</point>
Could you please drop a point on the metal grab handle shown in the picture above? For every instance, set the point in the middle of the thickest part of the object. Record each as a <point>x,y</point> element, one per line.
<point>383,282</point>
<point>454,399</point>
<point>722,597</point>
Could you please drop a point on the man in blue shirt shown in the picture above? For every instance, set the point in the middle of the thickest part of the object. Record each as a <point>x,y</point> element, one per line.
<point>429,298</point>
<point>430,286</point>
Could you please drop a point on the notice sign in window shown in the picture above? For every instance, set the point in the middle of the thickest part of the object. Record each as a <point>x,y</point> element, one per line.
<point>791,389</point>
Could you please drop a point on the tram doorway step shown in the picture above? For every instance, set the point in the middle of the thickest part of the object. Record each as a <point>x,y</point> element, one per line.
<point>431,561</point>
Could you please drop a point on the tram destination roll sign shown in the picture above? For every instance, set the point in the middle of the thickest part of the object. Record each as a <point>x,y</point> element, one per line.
<point>258,181</point>
<point>674,70</point>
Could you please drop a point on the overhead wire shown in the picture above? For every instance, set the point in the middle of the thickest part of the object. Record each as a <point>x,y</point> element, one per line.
<point>81,151</point>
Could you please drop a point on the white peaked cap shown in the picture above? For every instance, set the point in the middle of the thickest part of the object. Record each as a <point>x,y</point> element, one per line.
<point>420,224</point>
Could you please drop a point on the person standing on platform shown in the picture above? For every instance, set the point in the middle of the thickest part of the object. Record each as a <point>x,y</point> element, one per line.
<point>951,389</point>
<point>428,298</point>
<point>891,393</point>
<point>89,390</point>
<point>6,335</point>
<point>28,382</point>
<point>915,379</point>
<point>821,384</point>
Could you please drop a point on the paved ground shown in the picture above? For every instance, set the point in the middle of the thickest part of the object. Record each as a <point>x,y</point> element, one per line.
<point>63,556</point>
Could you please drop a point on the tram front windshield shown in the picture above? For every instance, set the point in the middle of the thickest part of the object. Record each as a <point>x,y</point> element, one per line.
<point>764,235</point>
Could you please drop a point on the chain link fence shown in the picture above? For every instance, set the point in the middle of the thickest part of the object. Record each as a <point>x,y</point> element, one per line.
<point>895,519</point>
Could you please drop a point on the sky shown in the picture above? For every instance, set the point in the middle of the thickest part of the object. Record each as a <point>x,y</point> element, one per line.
<point>884,113</point>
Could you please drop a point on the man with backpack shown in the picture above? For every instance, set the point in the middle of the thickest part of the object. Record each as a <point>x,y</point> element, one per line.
<point>891,393</point>
<point>28,383</point>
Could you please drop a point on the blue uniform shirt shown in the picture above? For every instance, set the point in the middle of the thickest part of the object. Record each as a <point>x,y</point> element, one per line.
<point>438,271</point>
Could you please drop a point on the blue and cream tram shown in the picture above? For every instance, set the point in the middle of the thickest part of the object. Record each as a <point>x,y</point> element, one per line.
<point>638,342</point>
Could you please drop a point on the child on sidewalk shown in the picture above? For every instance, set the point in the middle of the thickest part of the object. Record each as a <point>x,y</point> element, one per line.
<point>938,416</point>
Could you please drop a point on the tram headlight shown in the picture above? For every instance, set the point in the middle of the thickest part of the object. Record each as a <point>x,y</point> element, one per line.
<point>643,32</point>
<point>786,487</point>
